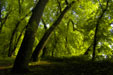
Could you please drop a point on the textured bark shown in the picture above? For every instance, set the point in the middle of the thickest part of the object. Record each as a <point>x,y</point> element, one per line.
<point>96,30</point>
<point>48,33</point>
<point>24,54</point>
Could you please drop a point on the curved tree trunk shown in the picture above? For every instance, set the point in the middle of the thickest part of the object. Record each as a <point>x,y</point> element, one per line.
<point>48,33</point>
<point>24,54</point>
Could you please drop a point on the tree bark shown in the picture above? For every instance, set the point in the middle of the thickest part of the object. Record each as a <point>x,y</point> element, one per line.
<point>48,33</point>
<point>24,54</point>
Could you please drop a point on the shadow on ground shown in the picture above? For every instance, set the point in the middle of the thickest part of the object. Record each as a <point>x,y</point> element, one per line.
<point>67,67</point>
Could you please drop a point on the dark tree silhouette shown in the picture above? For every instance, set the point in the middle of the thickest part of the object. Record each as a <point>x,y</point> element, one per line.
<point>24,54</point>
<point>96,30</point>
<point>48,33</point>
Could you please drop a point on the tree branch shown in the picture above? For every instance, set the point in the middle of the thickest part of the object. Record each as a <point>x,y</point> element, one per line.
<point>59,6</point>
<point>4,20</point>
<point>66,2</point>
<point>100,5</point>
<point>44,23</point>
<point>96,30</point>
<point>48,34</point>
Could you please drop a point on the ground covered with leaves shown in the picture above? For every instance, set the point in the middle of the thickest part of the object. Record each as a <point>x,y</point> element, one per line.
<point>61,67</point>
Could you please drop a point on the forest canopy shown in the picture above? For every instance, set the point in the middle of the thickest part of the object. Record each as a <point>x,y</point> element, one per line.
<point>34,29</point>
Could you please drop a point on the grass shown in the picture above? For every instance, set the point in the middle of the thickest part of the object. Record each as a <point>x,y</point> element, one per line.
<point>61,66</point>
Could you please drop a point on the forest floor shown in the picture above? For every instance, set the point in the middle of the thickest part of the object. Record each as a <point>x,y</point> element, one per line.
<point>61,67</point>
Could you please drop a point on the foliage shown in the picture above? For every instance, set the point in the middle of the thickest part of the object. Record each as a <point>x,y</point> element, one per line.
<point>72,37</point>
<point>83,14</point>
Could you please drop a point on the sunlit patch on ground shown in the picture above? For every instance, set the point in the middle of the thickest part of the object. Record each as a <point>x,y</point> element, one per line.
<point>39,63</point>
<point>5,67</point>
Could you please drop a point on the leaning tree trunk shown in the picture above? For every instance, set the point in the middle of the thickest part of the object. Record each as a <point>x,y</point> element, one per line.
<point>16,44</point>
<point>96,30</point>
<point>88,50</point>
<point>48,33</point>
<point>13,33</point>
<point>45,48</point>
<point>24,54</point>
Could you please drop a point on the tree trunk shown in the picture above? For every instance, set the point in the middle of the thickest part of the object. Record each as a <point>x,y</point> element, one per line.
<point>15,46</point>
<point>11,39</point>
<point>44,52</point>
<point>96,30</point>
<point>24,54</point>
<point>48,33</point>
<point>19,4</point>
<point>89,49</point>
<point>54,44</point>
<point>45,48</point>
<point>13,33</point>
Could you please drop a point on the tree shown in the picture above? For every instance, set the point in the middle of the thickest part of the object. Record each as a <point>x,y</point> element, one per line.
<point>24,54</point>
<point>97,27</point>
<point>48,34</point>
<point>11,49</point>
<point>45,48</point>
<point>73,35</point>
